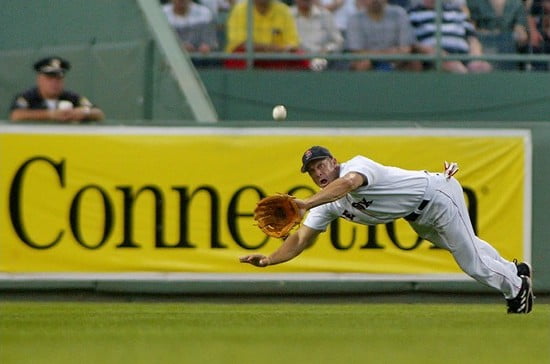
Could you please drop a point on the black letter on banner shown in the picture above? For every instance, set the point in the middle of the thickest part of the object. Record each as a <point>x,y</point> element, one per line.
<point>107,222</point>
<point>15,207</point>
<point>472,206</point>
<point>390,228</point>
<point>185,200</point>
<point>295,189</point>
<point>335,236</point>
<point>128,241</point>
<point>372,241</point>
<point>232,216</point>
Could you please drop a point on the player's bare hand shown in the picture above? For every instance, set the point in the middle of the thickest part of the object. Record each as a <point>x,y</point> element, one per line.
<point>450,169</point>
<point>257,260</point>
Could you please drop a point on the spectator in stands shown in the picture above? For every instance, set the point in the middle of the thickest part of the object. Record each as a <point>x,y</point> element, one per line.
<point>457,3</point>
<point>341,11</point>
<point>316,28</point>
<point>458,35</point>
<point>49,101</point>
<point>501,26</point>
<point>274,31</point>
<point>217,6</point>
<point>539,32</point>
<point>195,25</point>
<point>381,29</point>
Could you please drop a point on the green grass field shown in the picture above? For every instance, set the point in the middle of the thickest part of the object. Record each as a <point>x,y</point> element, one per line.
<point>190,332</point>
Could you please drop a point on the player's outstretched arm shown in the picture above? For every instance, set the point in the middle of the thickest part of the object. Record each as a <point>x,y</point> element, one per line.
<point>334,190</point>
<point>291,248</point>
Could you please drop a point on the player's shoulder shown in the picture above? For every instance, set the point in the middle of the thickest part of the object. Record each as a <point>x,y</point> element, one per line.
<point>359,163</point>
<point>358,159</point>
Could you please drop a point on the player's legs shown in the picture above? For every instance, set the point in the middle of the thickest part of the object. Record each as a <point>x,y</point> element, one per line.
<point>447,224</point>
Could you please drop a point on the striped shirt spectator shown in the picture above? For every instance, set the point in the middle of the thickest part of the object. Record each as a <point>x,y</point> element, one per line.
<point>455,28</point>
<point>458,35</point>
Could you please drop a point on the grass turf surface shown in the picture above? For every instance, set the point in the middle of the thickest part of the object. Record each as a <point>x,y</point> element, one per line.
<point>190,332</point>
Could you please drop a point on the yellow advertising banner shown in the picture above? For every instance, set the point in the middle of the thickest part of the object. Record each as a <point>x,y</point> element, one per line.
<point>110,199</point>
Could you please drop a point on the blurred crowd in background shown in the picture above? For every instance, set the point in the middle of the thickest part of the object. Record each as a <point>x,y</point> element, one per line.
<point>372,27</point>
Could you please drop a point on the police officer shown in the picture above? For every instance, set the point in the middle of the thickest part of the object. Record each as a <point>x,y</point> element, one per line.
<point>49,101</point>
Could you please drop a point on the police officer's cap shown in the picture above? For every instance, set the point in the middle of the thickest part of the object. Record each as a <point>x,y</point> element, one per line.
<point>52,66</point>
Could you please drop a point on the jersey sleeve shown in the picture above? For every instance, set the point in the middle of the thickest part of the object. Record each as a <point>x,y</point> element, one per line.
<point>360,165</point>
<point>319,217</point>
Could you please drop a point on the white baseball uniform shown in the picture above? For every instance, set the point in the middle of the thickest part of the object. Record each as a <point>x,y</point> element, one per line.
<point>441,217</point>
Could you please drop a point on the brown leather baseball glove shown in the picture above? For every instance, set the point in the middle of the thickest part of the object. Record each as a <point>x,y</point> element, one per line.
<point>277,215</point>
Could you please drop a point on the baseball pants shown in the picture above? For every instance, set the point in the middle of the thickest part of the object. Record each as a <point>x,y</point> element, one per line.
<point>446,223</point>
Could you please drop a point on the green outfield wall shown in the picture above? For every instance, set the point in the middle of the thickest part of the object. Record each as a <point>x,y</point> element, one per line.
<point>340,96</point>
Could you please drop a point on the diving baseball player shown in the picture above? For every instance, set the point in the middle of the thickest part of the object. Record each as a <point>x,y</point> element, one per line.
<point>366,192</point>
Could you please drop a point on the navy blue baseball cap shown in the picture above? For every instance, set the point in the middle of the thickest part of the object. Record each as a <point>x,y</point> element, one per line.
<point>52,66</point>
<point>313,153</point>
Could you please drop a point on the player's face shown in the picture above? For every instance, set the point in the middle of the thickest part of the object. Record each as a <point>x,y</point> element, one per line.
<point>323,171</point>
<point>50,86</point>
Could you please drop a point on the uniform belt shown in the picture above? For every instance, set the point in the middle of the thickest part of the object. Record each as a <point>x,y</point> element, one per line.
<point>413,216</point>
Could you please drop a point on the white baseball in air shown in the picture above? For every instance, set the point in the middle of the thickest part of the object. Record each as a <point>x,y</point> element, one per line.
<point>64,105</point>
<point>279,112</point>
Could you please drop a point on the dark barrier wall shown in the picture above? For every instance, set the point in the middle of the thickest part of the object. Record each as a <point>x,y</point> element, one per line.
<point>335,96</point>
